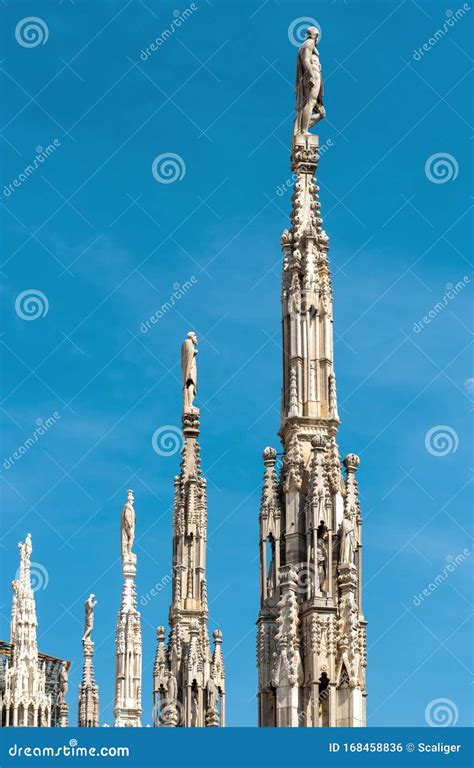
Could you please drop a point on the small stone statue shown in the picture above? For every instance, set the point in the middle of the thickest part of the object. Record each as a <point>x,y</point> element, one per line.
<point>348,539</point>
<point>63,683</point>
<point>212,694</point>
<point>194,709</point>
<point>90,604</point>
<point>309,85</point>
<point>189,371</point>
<point>322,558</point>
<point>172,688</point>
<point>127,528</point>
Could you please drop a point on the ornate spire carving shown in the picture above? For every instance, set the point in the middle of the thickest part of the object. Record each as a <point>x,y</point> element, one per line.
<point>128,639</point>
<point>311,624</point>
<point>88,709</point>
<point>25,697</point>
<point>188,682</point>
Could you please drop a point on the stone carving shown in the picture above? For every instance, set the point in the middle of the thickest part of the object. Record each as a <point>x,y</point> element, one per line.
<point>322,563</point>
<point>128,639</point>
<point>127,528</point>
<point>212,694</point>
<point>90,604</point>
<point>63,684</point>
<point>189,371</point>
<point>172,687</point>
<point>183,669</point>
<point>348,538</point>
<point>310,631</point>
<point>309,85</point>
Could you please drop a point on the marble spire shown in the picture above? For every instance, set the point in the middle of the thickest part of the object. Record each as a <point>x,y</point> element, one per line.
<point>25,698</point>
<point>189,678</point>
<point>88,709</point>
<point>311,629</point>
<point>128,639</point>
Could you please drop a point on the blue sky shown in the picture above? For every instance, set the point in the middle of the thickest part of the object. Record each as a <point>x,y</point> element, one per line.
<point>106,244</point>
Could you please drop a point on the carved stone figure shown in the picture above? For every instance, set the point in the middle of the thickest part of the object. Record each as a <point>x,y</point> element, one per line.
<point>90,604</point>
<point>63,683</point>
<point>194,709</point>
<point>322,559</point>
<point>212,694</point>
<point>309,85</point>
<point>348,539</point>
<point>127,527</point>
<point>189,371</point>
<point>172,688</point>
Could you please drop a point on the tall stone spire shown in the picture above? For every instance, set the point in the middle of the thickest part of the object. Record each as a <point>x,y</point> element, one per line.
<point>189,680</point>
<point>25,699</point>
<point>311,629</point>
<point>128,638</point>
<point>88,709</point>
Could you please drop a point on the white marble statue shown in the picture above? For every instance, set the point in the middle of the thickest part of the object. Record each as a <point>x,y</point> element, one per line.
<point>63,683</point>
<point>127,528</point>
<point>309,85</point>
<point>348,539</point>
<point>90,604</point>
<point>189,371</point>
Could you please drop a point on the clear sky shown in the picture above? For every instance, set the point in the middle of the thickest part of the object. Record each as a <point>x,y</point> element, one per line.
<point>106,242</point>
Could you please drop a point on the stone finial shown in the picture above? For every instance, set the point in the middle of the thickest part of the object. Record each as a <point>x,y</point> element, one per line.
<point>319,441</point>
<point>217,635</point>
<point>160,634</point>
<point>351,462</point>
<point>269,456</point>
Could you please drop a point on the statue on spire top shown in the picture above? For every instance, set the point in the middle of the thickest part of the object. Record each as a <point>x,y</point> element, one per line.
<point>189,371</point>
<point>309,85</point>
